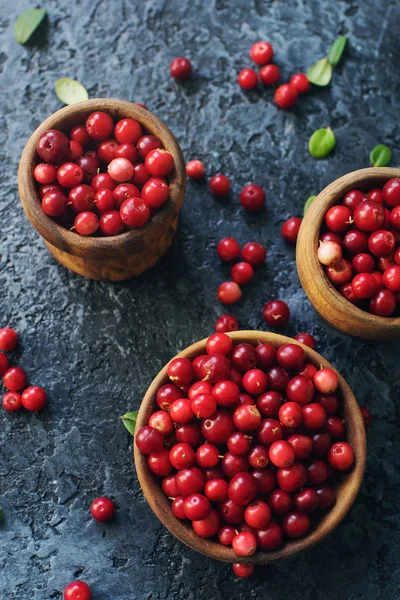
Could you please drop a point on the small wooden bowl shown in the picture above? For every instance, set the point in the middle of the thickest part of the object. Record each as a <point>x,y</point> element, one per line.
<point>105,258</point>
<point>346,490</point>
<point>330,304</point>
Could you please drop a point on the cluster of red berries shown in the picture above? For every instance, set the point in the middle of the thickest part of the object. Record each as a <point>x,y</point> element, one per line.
<point>285,95</point>
<point>15,380</point>
<point>361,248</point>
<point>252,197</point>
<point>253,255</point>
<point>105,178</point>
<point>248,442</point>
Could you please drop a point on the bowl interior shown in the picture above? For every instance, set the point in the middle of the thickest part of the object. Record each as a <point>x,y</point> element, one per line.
<point>64,120</point>
<point>346,490</point>
<point>321,292</point>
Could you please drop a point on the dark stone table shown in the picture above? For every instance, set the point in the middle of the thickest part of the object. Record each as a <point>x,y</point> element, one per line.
<point>95,347</point>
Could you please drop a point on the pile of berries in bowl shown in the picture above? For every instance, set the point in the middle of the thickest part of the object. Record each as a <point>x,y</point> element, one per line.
<point>347,253</point>
<point>248,449</point>
<point>360,248</point>
<point>104,176</point>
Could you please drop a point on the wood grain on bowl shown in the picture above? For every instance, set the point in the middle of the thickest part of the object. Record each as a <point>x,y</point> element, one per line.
<point>329,303</point>
<point>346,490</point>
<point>107,258</point>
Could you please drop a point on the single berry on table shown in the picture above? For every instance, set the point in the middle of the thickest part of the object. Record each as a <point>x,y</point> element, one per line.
<point>34,398</point>
<point>290,229</point>
<point>15,379</point>
<point>77,590</point>
<point>195,169</point>
<point>229,292</point>
<point>252,197</point>
<point>261,53</point>
<point>12,402</point>
<point>102,509</point>
<point>180,68</point>
<point>286,96</point>
<point>228,249</point>
<point>8,339</point>
<point>224,324</point>
<point>269,74</point>
<point>247,79</point>
<point>254,253</point>
<point>276,313</point>
<point>219,186</point>
<point>300,82</point>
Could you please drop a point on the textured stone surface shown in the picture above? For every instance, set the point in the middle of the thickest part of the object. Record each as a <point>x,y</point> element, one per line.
<point>96,347</point>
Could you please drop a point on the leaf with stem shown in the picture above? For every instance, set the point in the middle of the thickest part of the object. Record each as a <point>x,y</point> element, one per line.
<point>320,73</point>
<point>380,156</point>
<point>129,420</point>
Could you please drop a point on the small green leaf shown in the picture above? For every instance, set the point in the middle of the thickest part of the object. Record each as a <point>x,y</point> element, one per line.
<point>1,513</point>
<point>336,50</point>
<point>308,203</point>
<point>129,420</point>
<point>320,73</point>
<point>380,156</point>
<point>321,142</point>
<point>27,23</point>
<point>70,91</point>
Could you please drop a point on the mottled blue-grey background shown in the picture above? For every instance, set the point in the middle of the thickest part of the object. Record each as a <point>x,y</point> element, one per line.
<point>95,347</point>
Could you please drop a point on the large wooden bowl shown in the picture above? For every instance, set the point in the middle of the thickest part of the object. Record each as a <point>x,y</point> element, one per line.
<point>106,258</point>
<point>330,304</point>
<point>346,491</point>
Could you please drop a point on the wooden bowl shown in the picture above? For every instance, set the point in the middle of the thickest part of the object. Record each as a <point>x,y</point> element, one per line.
<point>330,304</point>
<point>346,490</point>
<point>106,258</point>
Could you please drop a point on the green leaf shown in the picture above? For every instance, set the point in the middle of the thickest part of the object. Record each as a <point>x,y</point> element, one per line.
<point>380,156</point>
<point>1,513</point>
<point>321,142</point>
<point>27,23</point>
<point>129,420</point>
<point>70,91</point>
<point>308,203</point>
<point>336,50</point>
<point>320,73</point>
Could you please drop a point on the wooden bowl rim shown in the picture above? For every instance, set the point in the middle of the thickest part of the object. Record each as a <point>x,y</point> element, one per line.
<point>112,246</point>
<point>348,486</point>
<point>307,245</point>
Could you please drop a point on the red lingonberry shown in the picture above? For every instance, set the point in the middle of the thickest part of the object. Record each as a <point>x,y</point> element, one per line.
<point>99,125</point>
<point>11,401</point>
<point>77,590</point>
<point>290,229</point>
<point>228,249</point>
<point>247,79</point>
<point>252,197</point>
<point>219,186</point>
<point>102,509</point>
<point>34,398</point>
<point>286,96</point>
<point>195,169</point>
<point>300,82</point>
<point>180,68</point>
<point>270,74</point>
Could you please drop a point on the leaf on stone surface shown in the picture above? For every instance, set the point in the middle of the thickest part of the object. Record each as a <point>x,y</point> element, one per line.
<point>336,50</point>
<point>70,91</point>
<point>321,142</point>
<point>129,420</point>
<point>27,23</point>
<point>380,156</point>
<point>320,73</point>
<point>308,203</point>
